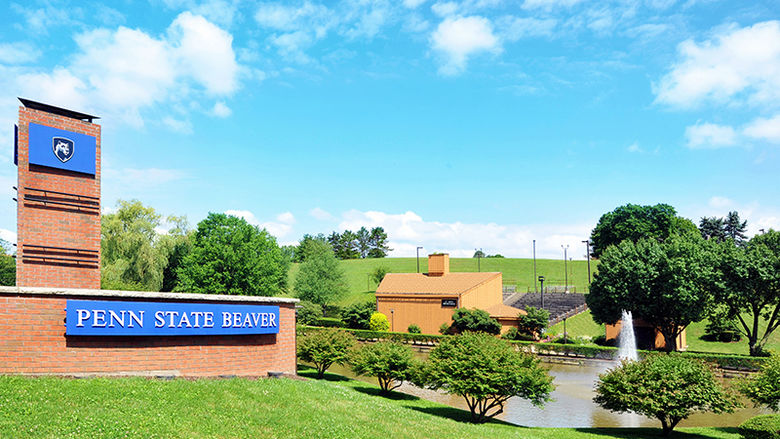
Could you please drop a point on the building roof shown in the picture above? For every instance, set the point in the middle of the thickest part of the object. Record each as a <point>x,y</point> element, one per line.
<point>501,310</point>
<point>416,283</point>
<point>57,110</point>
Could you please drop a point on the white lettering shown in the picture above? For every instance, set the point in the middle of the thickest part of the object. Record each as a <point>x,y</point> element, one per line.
<point>248,321</point>
<point>159,319</point>
<point>172,315</point>
<point>99,315</point>
<point>208,320</point>
<point>236,319</point>
<point>184,319</point>
<point>83,315</point>
<point>265,319</point>
<point>139,320</point>
<point>272,321</point>
<point>225,319</point>
<point>256,317</point>
<point>113,316</point>
<point>197,315</point>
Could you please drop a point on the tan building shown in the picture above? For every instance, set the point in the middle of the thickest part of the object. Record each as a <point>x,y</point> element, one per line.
<point>429,299</point>
<point>647,337</point>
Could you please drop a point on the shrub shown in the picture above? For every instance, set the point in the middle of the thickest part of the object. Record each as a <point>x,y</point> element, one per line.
<point>357,315</point>
<point>486,371</point>
<point>325,347</point>
<point>667,387</point>
<point>308,313</point>
<point>379,322</point>
<point>445,329</point>
<point>764,387</point>
<point>601,340</point>
<point>475,320</point>
<point>534,322</point>
<point>389,361</point>
<point>379,274</point>
<point>761,427</point>
<point>413,329</point>
<point>329,322</point>
<point>514,334</point>
<point>721,328</point>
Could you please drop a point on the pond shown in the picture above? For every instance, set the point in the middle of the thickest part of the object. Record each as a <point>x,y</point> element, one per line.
<point>573,404</point>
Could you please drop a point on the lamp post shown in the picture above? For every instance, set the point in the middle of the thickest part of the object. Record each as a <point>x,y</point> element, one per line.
<point>587,255</point>
<point>479,258</point>
<point>541,281</point>
<point>418,259</point>
<point>534,265</point>
<point>392,320</point>
<point>565,268</point>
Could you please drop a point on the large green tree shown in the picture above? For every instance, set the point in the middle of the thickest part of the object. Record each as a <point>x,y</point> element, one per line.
<point>7,264</point>
<point>633,222</point>
<point>174,246</point>
<point>307,245</point>
<point>320,278</point>
<point>764,387</point>
<point>486,371</point>
<point>231,256</point>
<point>130,259</point>
<point>666,387</point>
<point>735,228</point>
<point>751,287</point>
<point>667,284</point>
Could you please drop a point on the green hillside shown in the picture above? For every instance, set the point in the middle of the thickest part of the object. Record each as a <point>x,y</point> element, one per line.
<point>518,272</point>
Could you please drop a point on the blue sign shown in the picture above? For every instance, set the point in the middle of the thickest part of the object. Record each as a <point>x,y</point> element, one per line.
<point>104,317</point>
<point>62,149</point>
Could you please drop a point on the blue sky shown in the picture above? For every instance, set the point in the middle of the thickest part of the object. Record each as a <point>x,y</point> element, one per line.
<point>454,125</point>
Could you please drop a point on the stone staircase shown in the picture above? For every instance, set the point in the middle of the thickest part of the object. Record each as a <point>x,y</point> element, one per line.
<point>559,305</point>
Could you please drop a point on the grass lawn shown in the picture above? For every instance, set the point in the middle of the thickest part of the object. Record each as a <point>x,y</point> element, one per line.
<point>580,325</point>
<point>239,408</point>
<point>519,272</point>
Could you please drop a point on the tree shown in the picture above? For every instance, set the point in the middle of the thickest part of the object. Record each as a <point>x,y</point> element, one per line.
<point>129,258</point>
<point>633,222</point>
<point>174,246</point>
<point>379,274</point>
<point>230,256</point>
<point>357,315</point>
<point>378,247</point>
<point>363,245</point>
<point>344,245</point>
<point>734,228</point>
<point>325,347</point>
<point>668,285</point>
<point>479,254</point>
<point>308,313</point>
<point>534,321</point>
<point>308,245</point>
<point>751,287</point>
<point>712,228</point>
<point>390,362</point>
<point>7,264</point>
<point>475,320</point>
<point>764,387</point>
<point>320,279</point>
<point>378,322</point>
<point>667,387</point>
<point>486,371</point>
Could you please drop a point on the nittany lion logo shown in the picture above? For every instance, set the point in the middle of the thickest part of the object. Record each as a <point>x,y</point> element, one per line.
<point>63,148</point>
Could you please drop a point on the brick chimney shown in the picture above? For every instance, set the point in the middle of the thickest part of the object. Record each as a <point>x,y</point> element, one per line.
<point>438,264</point>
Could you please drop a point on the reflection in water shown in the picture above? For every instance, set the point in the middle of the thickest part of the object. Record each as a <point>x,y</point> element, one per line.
<point>573,404</point>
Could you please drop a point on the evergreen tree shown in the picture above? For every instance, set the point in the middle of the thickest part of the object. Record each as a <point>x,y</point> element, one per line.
<point>735,229</point>
<point>363,242</point>
<point>712,228</point>
<point>378,243</point>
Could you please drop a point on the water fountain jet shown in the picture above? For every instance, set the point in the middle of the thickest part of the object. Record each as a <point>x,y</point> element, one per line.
<point>627,339</point>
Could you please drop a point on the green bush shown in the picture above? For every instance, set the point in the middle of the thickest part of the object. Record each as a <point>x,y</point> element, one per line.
<point>764,387</point>
<point>445,329</point>
<point>413,329</point>
<point>308,313</point>
<point>378,322</point>
<point>475,320</point>
<point>721,328</point>
<point>534,321</point>
<point>357,315</point>
<point>514,334</point>
<point>329,322</point>
<point>389,361</point>
<point>325,347</point>
<point>761,427</point>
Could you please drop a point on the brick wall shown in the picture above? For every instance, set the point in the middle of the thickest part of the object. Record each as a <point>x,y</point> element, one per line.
<point>56,225</point>
<point>33,341</point>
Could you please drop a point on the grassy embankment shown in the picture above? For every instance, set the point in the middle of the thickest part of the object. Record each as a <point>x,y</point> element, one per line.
<point>519,272</point>
<point>239,408</point>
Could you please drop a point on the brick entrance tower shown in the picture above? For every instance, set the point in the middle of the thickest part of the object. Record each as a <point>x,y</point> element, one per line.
<point>57,152</point>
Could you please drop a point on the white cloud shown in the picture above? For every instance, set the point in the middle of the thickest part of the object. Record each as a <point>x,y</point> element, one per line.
<point>279,228</point>
<point>444,9</point>
<point>549,4</point>
<point>8,236</point>
<point>764,129</point>
<point>758,216</point>
<point>515,28</point>
<point>118,73</point>
<point>710,135</point>
<point>740,63</point>
<point>320,214</point>
<point>18,53</point>
<point>144,176</point>
<point>408,230</point>
<point>634,147</point>
<point>456,39</point>
<point>221,110</point>
<point>720,202</point>
<point>286,217</point>
<point>178,126</point>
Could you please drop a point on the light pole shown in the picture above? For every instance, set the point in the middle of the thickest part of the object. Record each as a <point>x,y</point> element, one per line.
<point>418,259</point>
<point>392,320</point>
<point>541,281</point>
<point>565,268</point>
<point>587,255</point>
<point>534,265</point>
<point>479,258</point>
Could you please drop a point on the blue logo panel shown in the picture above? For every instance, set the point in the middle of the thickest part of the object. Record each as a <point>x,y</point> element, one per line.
<point>110,318</point>
<point>62,149</point>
